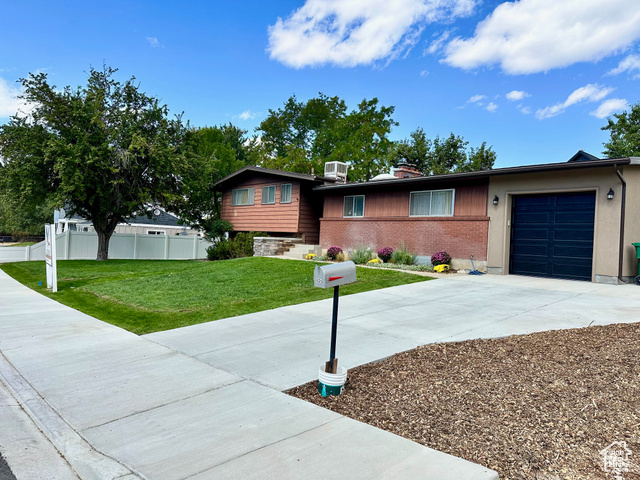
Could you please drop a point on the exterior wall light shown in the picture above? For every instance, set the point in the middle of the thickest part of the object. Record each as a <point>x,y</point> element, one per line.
<point>496,200</point>
<point>610,194</point>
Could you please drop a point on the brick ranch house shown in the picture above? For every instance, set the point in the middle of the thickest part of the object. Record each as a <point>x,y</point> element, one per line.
<point>572,220</point>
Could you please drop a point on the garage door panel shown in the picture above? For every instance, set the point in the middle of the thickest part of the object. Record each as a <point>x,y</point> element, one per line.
<point>532,217</point>
<point>572,251</point>
<point>574,218</point>
<point>552,235</point>
<point>538,249</point>
<point>574,235</point>
<point>529,234</point>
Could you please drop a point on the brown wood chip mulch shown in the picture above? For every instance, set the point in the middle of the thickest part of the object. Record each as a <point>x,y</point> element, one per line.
<point>539,406</point>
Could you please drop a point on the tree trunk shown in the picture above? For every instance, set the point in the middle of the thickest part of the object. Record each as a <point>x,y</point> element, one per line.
<point>103,244</point>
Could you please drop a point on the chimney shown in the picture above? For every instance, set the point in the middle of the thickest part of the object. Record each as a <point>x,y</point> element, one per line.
<point>406,170</point>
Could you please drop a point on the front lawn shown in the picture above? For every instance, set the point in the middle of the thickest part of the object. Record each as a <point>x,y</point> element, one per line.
<point>149,296</point>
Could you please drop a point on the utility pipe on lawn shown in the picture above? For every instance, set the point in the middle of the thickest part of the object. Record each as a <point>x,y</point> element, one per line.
<point>622,215</point>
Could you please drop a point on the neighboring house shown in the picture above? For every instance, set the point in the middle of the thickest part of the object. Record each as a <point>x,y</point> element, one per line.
<point>159,223</point>
<point>272,201</point>
<point>573,220</point>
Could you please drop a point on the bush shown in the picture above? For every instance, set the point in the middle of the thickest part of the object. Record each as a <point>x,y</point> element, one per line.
<point>239,246</point>
<point>360,254</point>
<point>340,257</point>
<point>402,256</point>
<point>385,253</point>
<point>440,258</point>
<point>332,252</point>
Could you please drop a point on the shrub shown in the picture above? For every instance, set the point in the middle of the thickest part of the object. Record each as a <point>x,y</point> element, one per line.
<point>239,246</point>
<point>385,253</point>
<point>361,254</point>
<point>340,257</point>
<point>402,256</point>
<point>332,252</point>
<point>440,258</point>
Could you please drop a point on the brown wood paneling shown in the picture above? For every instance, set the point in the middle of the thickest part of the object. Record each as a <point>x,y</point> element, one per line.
<point>471,200</point>
<point>387,204</point>
<point>278,217</point>
<point>309,220</point>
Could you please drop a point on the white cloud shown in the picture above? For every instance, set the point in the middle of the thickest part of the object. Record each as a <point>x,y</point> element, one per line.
<point>477,99</point>
<point>515,95</point>
<point>356,32</point>
<point>10,104</point>
<point>525,110</point>
<point>439,43</point>
<point>247,115</point>
<point>530,36</point>
<point>629,64</point>
<point>153,41</point>
<point>424,73</point>
<point>589,93</point>
<point>492,107</point>
<point>610,106</point>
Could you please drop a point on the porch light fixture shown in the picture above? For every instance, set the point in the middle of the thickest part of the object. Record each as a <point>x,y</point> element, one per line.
<point>610,194</point>
<point>496,200</point>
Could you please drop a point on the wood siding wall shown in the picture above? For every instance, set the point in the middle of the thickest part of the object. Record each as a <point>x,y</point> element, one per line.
<point>470,201</point>
<point>298,218</point>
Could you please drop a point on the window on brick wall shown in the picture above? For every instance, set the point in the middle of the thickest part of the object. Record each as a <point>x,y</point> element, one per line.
<point>353,206</point>
<point>431,203</point>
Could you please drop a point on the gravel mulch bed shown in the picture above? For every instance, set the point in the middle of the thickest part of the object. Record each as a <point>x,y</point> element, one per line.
<point>539,406</point>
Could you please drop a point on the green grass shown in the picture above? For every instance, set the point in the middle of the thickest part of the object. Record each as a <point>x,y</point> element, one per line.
<point>149,296</point>
<point>22,244</point>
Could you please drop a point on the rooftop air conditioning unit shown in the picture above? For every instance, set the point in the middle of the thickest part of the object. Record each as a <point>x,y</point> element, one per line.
<point>337,170</point>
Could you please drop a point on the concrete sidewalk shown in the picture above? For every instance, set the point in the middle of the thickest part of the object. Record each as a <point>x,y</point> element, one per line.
<point>119,406</point>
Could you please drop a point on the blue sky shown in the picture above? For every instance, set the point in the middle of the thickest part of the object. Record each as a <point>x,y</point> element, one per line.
<point>535,79</point>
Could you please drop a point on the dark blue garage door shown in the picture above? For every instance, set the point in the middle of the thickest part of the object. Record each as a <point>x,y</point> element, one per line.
<point>552,235</point>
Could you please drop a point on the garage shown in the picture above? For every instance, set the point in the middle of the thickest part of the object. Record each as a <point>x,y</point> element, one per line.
<point>552,235</point>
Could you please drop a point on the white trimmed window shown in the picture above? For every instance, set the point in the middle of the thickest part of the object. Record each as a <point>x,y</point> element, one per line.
<point>269,195</point>
<point>285,193</point>
<point>431,203</point>
<point>242,196</point>
<point>156,232</point>
<point>353,206</point>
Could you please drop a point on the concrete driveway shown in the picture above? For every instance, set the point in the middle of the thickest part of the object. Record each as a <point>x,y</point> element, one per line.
<point>284,347</point>
<point>205,401</point>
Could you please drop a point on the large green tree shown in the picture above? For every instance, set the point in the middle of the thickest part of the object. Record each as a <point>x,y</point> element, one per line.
<point>105,151</point>
<point>302,136</point>
<point>442,155</point>
<point>624,131</point>
<point>213,153</point>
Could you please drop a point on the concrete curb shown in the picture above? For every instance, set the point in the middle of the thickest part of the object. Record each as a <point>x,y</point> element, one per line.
<point>87,462</point>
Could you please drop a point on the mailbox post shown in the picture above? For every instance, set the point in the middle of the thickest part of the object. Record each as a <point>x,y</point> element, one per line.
<point>333,276</point>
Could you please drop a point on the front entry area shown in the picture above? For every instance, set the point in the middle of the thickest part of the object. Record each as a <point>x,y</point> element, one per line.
<point>552,235</point>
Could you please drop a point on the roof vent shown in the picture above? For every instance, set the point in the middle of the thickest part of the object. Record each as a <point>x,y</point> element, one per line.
<point>337,170</point>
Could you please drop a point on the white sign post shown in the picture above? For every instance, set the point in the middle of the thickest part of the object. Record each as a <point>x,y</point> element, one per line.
<point>50,257</point>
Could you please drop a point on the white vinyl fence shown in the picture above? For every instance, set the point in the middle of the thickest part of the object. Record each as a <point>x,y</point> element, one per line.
<point>84,246</point>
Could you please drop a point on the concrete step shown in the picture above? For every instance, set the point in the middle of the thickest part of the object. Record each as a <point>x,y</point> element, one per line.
<point>300,251</point>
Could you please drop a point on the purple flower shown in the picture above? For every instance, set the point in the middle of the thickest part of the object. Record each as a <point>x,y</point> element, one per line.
<point>385,253</point>
<point>440,258</point>
<point>333,252</point>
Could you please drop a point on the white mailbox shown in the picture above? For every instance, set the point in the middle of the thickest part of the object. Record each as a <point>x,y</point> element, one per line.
<point>334,275</point>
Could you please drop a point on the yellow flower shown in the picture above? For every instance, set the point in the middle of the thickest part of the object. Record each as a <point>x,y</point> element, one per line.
<point>310,256</point>
<point>375,260</point>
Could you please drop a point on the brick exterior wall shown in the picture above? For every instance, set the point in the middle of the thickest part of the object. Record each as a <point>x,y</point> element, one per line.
<point>461,237</point>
